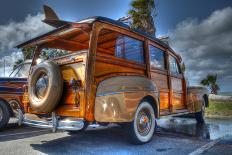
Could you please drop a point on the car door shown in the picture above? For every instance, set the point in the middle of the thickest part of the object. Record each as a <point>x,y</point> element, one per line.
<point>159,75</point>
<point>176,88</point>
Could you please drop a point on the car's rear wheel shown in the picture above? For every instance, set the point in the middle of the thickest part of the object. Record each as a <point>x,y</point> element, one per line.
<point>200,116</point>
<point>142,128</point>
<point>4,115</point>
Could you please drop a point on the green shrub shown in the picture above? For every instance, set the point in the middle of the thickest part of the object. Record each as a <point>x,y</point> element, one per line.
<point>219,109</point>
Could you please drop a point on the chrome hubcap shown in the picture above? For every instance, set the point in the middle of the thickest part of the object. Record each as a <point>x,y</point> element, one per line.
<point>144,122</point>
<point>1,114</point>
<point>41,86</point>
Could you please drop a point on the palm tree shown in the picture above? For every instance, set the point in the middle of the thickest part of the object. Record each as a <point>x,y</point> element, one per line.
<point>28,52</point>
<point>52,53</point>
<point>211,82</point>
<point>142,15</point>
<point>19,61</point>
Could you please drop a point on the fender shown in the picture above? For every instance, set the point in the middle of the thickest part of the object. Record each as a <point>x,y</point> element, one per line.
<point>117,98</point>
<point>196,95</point>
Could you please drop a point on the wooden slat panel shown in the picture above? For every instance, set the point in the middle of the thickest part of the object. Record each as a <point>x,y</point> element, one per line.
<point>177,94</point>
<point>105,68</point>
<point>177,101</point>
<point>160,80</point>
<point>176,85</point>
<point>164,100</point>
<point>68,110</point>
<point>73,71</point>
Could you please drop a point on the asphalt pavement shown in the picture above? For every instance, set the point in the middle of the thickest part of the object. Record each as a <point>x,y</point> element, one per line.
<point>176,136</point>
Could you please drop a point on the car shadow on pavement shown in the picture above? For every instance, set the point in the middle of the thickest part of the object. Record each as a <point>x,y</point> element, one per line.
<point>85,141</point>
<point>15,132</point>
<point>106,140</point>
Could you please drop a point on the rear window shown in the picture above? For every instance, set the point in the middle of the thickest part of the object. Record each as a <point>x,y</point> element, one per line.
<point>121,46</point>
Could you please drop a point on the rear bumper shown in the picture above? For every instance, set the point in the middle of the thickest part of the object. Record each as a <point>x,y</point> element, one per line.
<point>54,123</point>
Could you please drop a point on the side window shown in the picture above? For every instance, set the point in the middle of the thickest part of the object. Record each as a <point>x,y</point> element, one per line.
<point>174,68</point>
<point>157,57</point>
<point>121,46</point>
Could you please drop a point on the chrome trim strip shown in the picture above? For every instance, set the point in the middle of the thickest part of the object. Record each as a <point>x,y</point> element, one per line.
<point>130,91</point>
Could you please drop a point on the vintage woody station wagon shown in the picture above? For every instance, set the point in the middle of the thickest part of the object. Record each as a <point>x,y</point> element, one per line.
<point>111,74</point>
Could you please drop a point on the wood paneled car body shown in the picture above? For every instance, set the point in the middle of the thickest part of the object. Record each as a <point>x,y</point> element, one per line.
<point>111,74</point>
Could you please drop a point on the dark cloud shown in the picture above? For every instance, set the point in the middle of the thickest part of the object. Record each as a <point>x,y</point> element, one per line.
<point>17,32</point>
<point>206,47</point>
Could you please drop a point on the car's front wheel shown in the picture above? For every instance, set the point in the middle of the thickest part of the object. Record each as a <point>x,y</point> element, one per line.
<point>200,116</point>
<point>143,126</point>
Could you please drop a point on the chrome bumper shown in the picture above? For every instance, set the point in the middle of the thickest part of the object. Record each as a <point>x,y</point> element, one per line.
<point>54,122</point>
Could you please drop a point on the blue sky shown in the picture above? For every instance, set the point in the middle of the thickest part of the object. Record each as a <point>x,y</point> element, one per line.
<point>170,12</point>
<point>199,30</point>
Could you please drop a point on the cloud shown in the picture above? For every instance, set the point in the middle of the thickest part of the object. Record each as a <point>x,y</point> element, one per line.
<point>15,33</point>
<point>206,47</point>
<point>8,62</point>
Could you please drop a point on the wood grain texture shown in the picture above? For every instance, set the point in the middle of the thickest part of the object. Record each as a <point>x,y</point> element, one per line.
<point>100,63</point>
<point>90,87</point>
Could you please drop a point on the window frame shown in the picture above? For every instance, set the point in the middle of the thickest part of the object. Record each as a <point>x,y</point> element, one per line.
<point>177,63</point>
<point>165,58</point>
<point>166,53</point>
<point>130,34</point>
<point>126,54</point>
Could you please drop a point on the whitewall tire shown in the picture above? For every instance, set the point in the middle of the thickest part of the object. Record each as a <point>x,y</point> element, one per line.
<point>141,130</point>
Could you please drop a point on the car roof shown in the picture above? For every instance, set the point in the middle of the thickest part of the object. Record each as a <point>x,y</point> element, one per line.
<point>105,20</point>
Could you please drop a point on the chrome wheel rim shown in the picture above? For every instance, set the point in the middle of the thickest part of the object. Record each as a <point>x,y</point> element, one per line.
<point>41,86</point>
<point>144,122</point>
<point>1,114</point>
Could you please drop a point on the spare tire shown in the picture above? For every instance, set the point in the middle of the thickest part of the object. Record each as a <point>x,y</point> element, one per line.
<point>45,87</point>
